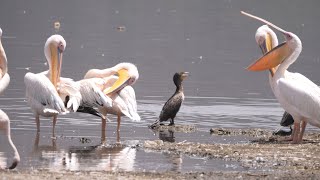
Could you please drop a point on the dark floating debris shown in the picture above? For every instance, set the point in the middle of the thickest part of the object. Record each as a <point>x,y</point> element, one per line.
<point>85,140</point>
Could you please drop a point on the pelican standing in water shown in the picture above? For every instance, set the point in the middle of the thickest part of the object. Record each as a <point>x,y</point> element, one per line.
<point>297,94</point>
<point>43,90</point>
<point>4,119</point>
<point>115,83</point>
<point>267,39</point>
<point>172,106</point>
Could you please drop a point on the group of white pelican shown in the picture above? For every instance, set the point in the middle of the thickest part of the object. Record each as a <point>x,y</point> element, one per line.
<point>48,94</point>
<point>110,92</point>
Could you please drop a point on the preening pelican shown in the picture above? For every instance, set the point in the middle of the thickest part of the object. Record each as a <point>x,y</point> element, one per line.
<point>4,119</point>
<point>297,94</point>
<point>115,83</point>
<point>43,90</point>
<point>267,40</point>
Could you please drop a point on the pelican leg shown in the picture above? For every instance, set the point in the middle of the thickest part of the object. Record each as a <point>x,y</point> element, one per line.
<point>54,121</point>
<point>296,131</point>
<point>38,123</point>
<point>103,131</point>
<point>303,127</point>
<point>118,128</point>
<point>293,131</point>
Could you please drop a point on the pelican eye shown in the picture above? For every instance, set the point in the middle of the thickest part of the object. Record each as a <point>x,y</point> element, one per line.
<point>61,47</point>
<point>289,36</point>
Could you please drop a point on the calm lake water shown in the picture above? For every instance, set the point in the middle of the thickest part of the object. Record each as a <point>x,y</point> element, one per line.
<point>209,39</point>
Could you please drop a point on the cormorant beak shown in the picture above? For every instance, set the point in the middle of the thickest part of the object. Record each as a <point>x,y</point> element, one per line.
<point>272,59</point>
<point>184,75</point>
<point>122,82</point>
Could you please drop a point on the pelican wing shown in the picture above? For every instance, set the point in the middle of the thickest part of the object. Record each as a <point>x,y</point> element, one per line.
<point>128,97</point>
<point>92,95</point>
<point>125,99</point>
<point>302,94</point>
<point>67,87</point>
<point>42,95</point>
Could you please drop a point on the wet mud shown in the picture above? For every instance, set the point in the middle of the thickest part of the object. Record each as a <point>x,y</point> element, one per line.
<point>175,128</point>
<point>267,152</point>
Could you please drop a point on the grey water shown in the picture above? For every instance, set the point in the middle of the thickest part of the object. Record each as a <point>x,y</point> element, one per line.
<point>209,39</point>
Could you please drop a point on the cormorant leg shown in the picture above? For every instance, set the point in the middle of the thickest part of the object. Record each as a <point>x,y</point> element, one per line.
<point>38,123</point>
<point>54,121</point>
<point>171,122</point>
<point>296,131</point>
<point>103,130</point>
<point>303,127</point>
<point>118,128</point>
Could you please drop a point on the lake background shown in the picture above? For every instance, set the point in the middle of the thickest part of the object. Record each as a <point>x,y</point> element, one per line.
<point>209,39</point>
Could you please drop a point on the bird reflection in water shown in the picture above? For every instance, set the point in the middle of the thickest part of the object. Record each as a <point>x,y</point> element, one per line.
<point>45,153</point>
<point>167,135</point>
<point>175,160</point>
<point>110,157</point>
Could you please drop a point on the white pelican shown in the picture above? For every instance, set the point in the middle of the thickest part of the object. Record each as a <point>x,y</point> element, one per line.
<point>4,119</point>
<point>297,94</point>
<point>43,89</point>
<point>267,40</point>
<point>4,76</point>
<point>115,82</point>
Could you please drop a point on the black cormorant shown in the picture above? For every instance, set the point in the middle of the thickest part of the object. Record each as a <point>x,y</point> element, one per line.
<point>172,106</point>
<point>286,121</point>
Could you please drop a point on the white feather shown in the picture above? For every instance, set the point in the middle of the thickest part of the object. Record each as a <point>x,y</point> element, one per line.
<point>42,96</point>
<point>67,87</point>
<point>91,95</point>
<point>4,82</point>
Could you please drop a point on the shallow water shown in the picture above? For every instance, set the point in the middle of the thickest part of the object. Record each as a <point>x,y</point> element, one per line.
<point>210,39</point>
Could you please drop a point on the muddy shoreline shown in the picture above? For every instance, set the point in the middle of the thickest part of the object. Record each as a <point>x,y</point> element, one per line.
<point>267,157</point>
<point>41,174</point>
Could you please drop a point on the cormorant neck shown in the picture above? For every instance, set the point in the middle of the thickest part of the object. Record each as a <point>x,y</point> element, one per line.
<point>179,88</point>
